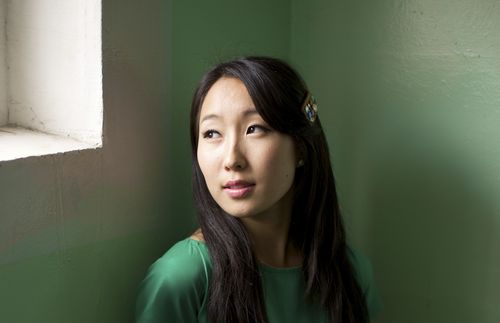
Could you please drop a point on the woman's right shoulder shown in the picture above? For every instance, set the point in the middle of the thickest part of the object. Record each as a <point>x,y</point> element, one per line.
<point>176,285</point>
<point>185,262</point>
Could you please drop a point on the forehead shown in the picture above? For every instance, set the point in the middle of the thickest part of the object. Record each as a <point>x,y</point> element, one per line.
<point>228,96</point>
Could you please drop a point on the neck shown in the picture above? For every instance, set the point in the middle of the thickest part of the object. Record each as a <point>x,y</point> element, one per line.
<point>269,232</point>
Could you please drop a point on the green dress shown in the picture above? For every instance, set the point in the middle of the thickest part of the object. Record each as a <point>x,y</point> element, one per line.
<point>175,289</point>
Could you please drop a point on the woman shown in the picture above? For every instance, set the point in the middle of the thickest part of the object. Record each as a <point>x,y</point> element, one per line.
<point>271,245</point>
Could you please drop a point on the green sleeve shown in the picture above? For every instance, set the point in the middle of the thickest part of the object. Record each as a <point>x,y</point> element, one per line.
<point>366,281</point>
<point>174,288</point>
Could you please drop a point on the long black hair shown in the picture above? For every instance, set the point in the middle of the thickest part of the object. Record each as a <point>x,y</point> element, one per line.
<point>316,229</point>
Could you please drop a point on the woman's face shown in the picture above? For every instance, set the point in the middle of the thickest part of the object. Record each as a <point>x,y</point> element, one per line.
<point>248,167</point>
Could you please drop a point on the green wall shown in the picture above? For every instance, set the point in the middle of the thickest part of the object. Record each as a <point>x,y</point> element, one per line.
<point>409,92</point>
<point>76,229</point>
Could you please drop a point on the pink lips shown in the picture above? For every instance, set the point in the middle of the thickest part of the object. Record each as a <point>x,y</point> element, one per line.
<point>238,189</point>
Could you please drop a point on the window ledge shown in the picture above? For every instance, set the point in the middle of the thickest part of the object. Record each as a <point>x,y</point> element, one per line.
<point>16,142</point>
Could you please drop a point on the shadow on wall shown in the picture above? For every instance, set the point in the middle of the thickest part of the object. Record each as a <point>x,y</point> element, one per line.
<point>433,229</point>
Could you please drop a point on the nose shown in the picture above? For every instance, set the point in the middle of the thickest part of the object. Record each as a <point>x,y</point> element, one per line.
<point>234,158</point>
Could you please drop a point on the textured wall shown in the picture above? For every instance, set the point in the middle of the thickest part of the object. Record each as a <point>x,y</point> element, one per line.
<point>410,94</point>
<point>408,91</point>
<point>77,231</point>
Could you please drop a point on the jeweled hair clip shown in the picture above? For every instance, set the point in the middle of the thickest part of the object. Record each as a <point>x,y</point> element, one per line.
<point>310,108</point>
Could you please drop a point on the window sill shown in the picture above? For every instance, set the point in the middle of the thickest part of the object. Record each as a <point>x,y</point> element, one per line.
<point>16,143</point>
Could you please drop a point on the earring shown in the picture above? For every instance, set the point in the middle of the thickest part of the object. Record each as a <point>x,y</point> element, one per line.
<point>300,163</point>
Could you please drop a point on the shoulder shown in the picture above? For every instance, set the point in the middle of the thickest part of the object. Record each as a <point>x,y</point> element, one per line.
<point>175,284</point>
<point>366,280</point>
<point>186,259</point>
<point>184,264</point>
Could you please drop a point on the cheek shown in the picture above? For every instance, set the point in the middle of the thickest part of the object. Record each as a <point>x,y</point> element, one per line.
<point>209,161</point>
<point>204,162</point>
<point>281,163</point>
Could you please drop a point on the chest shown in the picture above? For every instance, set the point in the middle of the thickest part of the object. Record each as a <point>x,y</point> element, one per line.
<point>285,298</point>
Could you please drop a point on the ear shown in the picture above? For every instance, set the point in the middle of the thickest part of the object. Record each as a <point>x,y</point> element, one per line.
<point>300,153</point>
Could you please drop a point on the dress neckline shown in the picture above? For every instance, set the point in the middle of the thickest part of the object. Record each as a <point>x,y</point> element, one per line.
<point>263,266</point>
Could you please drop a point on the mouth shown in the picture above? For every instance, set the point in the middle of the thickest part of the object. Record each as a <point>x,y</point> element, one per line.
<point>238,189</point>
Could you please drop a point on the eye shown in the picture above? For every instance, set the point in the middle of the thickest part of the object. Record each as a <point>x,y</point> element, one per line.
<point>256,129</point>
<point>210,134</point>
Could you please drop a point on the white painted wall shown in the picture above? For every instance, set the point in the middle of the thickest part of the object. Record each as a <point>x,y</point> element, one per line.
<point>54,59</point>
<point>3,67</point>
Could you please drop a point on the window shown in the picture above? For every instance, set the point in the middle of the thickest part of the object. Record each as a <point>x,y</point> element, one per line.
<point>50,77</point>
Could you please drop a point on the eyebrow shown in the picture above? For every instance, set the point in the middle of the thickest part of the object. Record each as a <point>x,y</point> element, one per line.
<point>245,113</point>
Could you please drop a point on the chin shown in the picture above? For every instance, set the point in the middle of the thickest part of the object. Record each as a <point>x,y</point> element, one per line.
<point>239,213</point>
